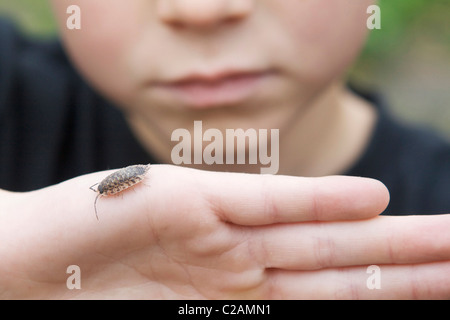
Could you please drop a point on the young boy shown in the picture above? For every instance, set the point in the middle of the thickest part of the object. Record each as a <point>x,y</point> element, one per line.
<point>144,69</point>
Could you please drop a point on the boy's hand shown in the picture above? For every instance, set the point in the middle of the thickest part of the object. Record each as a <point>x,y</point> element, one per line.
<point>185,233</point>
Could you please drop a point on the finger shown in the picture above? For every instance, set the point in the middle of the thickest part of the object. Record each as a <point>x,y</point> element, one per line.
<point>381,240</point>
<point>422,281</point>
<point>263,199</point>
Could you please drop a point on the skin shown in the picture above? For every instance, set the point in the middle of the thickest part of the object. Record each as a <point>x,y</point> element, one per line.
<point>188,233</point>
<point>223,236</point>
<point>162,41</point>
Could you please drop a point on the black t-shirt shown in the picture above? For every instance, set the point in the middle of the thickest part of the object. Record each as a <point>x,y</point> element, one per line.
<point>53,127</point>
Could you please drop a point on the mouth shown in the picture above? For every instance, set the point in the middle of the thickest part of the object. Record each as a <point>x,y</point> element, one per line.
<point>209,90</point>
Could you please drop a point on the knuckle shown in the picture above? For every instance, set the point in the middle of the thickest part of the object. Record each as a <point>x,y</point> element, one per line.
<point>324,251</point>
<point>270,209</point>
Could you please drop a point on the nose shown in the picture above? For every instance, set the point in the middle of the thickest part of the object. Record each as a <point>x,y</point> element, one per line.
<point>202,13</point>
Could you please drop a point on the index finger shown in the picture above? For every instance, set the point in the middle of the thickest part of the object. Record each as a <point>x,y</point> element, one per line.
<point>248,199</point>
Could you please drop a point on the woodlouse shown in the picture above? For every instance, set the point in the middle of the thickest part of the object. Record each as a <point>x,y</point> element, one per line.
<point>119,181</point>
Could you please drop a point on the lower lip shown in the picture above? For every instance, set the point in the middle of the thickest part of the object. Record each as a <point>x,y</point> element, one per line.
<point>228,91</point>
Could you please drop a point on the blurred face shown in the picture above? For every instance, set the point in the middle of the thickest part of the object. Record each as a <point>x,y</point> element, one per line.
<point>230,63</point>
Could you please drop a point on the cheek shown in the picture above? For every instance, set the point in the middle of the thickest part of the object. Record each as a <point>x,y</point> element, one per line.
<point>99,47</point>
<point>326,35</point>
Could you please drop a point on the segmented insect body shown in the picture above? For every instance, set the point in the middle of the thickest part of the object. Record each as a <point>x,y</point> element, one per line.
<point>120,181</point>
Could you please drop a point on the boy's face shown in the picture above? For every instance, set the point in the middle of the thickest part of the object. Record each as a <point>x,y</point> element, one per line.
<point>232,62</point>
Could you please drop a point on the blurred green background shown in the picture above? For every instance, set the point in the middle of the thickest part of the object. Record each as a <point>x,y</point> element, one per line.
<point>408,60</point>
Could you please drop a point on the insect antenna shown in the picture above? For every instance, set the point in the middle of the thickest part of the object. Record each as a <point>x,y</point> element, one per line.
<point>95,205</point>
<point>93,188</point>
